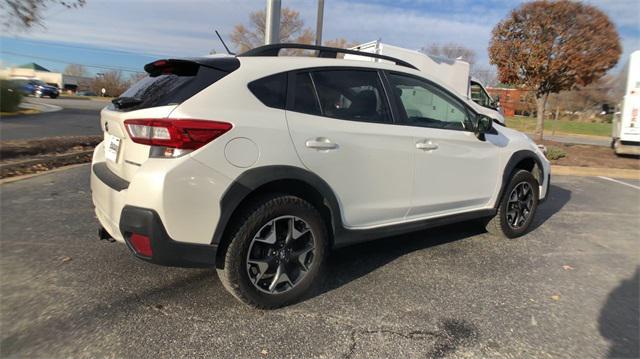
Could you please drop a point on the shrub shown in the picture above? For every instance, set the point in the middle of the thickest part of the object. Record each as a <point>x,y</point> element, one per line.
<point>555,153</point>
<point>10,96</point>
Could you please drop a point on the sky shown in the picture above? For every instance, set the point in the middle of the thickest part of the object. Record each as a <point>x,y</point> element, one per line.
<point>126,34</point>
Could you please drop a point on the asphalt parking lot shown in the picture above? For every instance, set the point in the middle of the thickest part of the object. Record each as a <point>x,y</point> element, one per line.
<point>76,118</point>
<point>567,289</point>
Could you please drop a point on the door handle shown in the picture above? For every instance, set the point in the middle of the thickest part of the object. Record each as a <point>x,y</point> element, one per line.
<point>321,143</point>
<point>427,146</point>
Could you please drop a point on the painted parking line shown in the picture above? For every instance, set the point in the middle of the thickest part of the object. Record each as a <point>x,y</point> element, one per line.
<point>616,181</point>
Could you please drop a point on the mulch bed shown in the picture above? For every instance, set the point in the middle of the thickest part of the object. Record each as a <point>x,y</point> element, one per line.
<point>592,156</point>
<point>20,157</point>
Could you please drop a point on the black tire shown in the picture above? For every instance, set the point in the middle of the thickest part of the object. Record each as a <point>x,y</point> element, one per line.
<point>501,224</point>
<point>234,274</point>
<point>53,96</point>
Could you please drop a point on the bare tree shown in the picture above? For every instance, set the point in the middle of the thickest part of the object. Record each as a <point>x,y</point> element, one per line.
<point>112,82</point>
<point>340,43</point>
<point>552,46</point>
<point>291,30</point>
<point>487,76</point>
<point>586,101</point>
<point>76,70</point>
<point>23,14</point>
<point>451,51</point>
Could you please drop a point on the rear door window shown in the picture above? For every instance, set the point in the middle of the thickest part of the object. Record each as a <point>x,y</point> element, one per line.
<point>306,100</point>
<point>355,95</point>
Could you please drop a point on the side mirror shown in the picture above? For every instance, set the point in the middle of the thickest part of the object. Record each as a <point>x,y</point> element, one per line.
<point>483,125</point>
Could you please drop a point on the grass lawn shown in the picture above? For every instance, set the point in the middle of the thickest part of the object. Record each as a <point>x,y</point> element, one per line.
<point>528,124</point>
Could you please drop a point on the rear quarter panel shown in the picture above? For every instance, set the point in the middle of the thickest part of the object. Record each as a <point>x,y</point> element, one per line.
<point>259,136</point>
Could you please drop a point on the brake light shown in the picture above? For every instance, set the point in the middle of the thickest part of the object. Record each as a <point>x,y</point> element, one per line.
<point>175,133</point>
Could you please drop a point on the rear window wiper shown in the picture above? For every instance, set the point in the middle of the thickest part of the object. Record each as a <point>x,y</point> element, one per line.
<point>126,102</point>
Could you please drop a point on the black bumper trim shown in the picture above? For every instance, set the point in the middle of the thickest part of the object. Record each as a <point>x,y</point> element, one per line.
<point>166,251</point>
<point>109,178</point>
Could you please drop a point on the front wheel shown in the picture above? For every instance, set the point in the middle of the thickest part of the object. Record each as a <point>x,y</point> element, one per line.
<point>517,206</point>
<point>277,253</point>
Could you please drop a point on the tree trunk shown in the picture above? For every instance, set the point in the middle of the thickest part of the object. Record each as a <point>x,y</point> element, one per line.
<point>541,103</point>
<point>555,120</point>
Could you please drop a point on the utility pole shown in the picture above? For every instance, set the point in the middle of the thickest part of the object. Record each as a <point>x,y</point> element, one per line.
<point>319,20</point>
<point>272,23</point>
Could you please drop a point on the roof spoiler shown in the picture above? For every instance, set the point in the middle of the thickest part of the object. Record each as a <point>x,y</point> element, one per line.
<point>189,66</point>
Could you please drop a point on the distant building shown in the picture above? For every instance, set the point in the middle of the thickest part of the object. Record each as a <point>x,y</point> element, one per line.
<point>35,71</point>
<point>513,100</point>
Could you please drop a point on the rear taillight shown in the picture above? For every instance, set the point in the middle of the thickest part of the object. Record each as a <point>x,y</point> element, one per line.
<point>174,133</point>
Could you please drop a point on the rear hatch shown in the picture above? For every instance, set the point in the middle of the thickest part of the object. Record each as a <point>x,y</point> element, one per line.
<point>170,82</point>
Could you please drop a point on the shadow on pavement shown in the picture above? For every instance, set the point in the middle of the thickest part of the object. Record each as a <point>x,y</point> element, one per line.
<point>620,319</point>
<point>350,263</point>
<point>558,198</point>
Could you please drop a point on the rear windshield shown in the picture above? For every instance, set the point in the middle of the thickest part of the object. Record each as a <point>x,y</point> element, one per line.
<point>169,89</point>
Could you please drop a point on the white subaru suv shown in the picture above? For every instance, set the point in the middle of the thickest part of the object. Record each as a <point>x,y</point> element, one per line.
<point>259,165</point>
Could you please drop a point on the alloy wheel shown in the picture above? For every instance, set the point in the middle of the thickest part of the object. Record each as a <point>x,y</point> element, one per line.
<point>281,254</point>
<point>519,205</point>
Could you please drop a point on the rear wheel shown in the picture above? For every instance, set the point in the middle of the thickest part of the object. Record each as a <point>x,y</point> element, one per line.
<point>517,206</point>
<point>277,253</point>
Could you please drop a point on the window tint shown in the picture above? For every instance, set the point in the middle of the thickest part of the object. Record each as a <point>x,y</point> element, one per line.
<point>305,99</point>
<point>427,106</point>
<point>271,90</point>
<point>351,95</point>
<point>171,87</point>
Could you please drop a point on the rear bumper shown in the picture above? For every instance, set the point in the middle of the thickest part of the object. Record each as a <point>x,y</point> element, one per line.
<point>627,147</point>
<point>176,203</point>
<point>165,250</point>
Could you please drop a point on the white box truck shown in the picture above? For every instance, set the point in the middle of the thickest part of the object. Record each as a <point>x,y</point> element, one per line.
<point>626,123</point>
<point>455,74</point>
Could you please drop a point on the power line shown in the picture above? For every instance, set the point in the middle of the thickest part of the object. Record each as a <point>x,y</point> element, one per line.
<point>89,48</point>
<point>115,68</point>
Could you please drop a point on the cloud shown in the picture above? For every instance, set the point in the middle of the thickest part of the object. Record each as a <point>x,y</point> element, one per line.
<point>185,28</point>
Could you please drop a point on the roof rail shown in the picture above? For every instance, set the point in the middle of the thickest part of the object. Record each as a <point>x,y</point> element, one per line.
<point>322,51</point>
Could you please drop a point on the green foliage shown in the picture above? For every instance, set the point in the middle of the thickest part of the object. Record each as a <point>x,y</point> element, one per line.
<point>555,153</point>
<point>10,96</point>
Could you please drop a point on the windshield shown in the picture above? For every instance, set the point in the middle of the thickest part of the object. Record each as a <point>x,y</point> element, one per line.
<point>480,96</point>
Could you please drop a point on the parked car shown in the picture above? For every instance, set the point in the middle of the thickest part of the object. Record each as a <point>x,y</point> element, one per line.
<point>259,165</point>
<point>37,88</point>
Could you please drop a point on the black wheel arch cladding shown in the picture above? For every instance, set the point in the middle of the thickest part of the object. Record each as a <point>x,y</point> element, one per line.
<point>253,179</point>
<point>521,160</point>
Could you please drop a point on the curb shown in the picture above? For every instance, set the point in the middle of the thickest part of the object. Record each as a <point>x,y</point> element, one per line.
<point>7,170</point>
<point>31,175</point>
<point>595,172</point>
